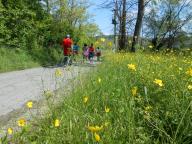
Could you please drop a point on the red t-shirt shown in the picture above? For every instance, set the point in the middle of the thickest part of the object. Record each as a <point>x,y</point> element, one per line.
<point>67,43</point>
<point>91,49</point>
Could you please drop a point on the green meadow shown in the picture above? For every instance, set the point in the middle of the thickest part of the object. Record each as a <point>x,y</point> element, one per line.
<point>130,98</point>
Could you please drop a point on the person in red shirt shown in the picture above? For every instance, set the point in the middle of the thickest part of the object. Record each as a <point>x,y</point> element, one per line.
<point>67,49</point>
<point>91,53</point>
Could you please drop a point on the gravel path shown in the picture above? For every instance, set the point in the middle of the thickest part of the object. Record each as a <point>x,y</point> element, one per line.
<point>16,88</point>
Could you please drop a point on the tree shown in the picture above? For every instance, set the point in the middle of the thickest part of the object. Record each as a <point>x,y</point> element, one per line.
<point>141,6</point>
<point>166,25</point>
<point>70,17</point>
<point>121,8</point>
<point>122,36</point>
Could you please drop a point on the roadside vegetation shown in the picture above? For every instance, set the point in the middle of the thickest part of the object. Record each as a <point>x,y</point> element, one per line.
<point>18,59</point>
<point>130,98</point>
<point>32,32</point>
<point>141,97</point>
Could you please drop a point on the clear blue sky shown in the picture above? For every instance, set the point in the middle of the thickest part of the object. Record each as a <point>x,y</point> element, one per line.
<point>102,17</point>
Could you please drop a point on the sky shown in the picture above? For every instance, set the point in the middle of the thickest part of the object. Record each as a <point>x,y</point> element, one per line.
<point>102,17</point>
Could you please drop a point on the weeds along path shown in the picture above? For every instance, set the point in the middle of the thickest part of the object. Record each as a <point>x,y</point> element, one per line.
<point>19,87</point>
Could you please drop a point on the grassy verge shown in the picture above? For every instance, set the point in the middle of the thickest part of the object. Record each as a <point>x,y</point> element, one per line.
<point>17,59</point>
<point>131,98</point>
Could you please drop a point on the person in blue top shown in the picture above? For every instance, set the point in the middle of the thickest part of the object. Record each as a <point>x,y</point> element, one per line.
<point>75,50</point>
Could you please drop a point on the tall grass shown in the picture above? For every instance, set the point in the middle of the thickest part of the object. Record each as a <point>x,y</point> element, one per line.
<point>130,98</point>
<point>15,60</point>
<point>18,59</point>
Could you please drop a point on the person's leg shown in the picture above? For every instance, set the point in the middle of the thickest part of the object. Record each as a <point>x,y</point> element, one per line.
<point>91,58</point>
<point>67,60</point>
<point>70,60</point>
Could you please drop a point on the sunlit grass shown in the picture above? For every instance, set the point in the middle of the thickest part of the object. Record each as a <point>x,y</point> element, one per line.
<point>130,98</point>
<point>15,60</point>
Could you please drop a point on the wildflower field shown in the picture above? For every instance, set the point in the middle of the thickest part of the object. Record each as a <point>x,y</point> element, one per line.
<point>129,98</point>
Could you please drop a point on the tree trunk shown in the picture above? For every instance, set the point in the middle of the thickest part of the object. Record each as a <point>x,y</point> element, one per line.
<point>141,7</point>
<point>122,39</point>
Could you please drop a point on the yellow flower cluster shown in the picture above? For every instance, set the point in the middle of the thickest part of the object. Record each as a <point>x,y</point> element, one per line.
<point>57,123</point>
<point>110,44</point>
<point>97,137</point>
<point>29,104</point>
<point>134,91</point>
<point>99,80</point>
<point>95,128</point>
<point>189,87</point>
<point>102,39</point>
<point>85,99</point>
<point>150,46</point>
<point>10,131</point>
<point>21,122</point>
<point>107,109</point>
<point>189,72</point>
<point>158,82</point>
<point>131,67</point>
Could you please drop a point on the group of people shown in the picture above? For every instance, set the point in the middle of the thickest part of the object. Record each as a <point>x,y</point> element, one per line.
<point>70,49</point>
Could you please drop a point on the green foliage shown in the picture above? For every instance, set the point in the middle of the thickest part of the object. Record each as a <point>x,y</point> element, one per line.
<point>141,110</point>
<point>16,59</point>
<point>165,26</point>
<point>38,28</point>
<point>22,24</point>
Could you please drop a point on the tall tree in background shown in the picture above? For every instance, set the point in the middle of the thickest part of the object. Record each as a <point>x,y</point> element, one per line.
<point>123,8</point>
<point>140,14</point>
<point>31,24</point>
<point>165,26</point>
<point>122,34</point>
<point>71,17</point>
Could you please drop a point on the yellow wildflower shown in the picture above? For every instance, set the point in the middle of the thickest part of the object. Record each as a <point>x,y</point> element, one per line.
<point>57,123</point>
<point>189,72</point>
<point>30,104</point>
<point>85,99</point>
<point>21,122</point>
<point>131,67</point>
<point>99,80</point>
<point>10,131</point>
<point>97,137</point>
<point>110,44</point>
<point>107,109</point>
<point>102,39</point>
<point>158,82</point>
<point>95,128</point>
<point>58,73</point>
<point>150,46</point>
<point>190,87</point>
<point>134,91</point>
